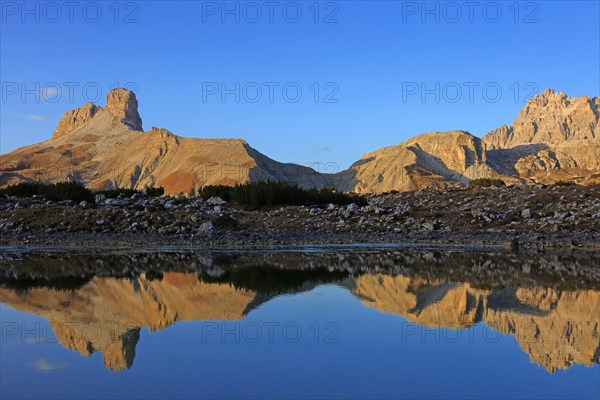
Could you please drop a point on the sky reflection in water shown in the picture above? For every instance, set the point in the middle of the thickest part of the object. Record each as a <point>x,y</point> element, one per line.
<point>329,334</point>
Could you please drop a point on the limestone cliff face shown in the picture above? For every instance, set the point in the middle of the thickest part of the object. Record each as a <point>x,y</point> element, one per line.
<point>552,119</point>
<point>554,137</point>
<point>106,314</point>
<point>73,119</point>
<point>434,159</point>
<point>123,105</point>
<point>120,103</point>
<point>556,328</point>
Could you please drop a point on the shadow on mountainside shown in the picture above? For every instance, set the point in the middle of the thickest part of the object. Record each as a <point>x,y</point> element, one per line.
<point>504,160</point>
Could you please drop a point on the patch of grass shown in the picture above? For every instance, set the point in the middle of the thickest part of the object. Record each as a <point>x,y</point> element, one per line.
<point>53,191</point>
<point>269,194</point>
<point>486,182</point>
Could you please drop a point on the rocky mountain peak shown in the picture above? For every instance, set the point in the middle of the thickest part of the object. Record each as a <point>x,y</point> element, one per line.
<point>123,104</point>
<point>73,119</point>
<point>550,118</point>
<point>554,137</point>
<point>549,96</point>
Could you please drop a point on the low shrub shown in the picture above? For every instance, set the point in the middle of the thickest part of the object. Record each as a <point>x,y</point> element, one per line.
<point>329,195</point>
<point>486,182</point>
<point>269,194</point>
<point>53,191</point>
<point>155,191</point>
<point>221,191</point>
<point>565,183</point>
<point>70,191</point>
<point>114,193</point>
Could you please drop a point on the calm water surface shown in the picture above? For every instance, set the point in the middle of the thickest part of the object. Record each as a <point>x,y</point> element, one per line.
<point>388,324</point>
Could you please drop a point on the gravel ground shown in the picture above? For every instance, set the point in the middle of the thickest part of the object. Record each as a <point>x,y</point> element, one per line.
<point>517,217</point>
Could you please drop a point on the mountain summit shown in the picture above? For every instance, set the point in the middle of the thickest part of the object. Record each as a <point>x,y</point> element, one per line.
<point>550,118</point>
<point>553,138</point>
<point>105,147</point>
<point>120,103</point>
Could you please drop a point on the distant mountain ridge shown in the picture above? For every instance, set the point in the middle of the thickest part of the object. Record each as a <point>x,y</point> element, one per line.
<point>107,148</point>
<point>553,138</point>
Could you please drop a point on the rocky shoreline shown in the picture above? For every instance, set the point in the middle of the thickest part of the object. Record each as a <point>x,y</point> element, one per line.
<point>516,217</point>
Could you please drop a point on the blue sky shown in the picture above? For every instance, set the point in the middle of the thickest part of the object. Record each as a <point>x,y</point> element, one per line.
<point>362,68</point>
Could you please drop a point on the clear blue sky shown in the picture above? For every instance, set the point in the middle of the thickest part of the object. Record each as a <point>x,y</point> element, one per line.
<point>370,57</point>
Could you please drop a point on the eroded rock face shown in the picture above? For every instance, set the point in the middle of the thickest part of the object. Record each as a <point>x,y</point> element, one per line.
<point>550,118</point>
<point>123,104</point>
<point>433,159</point>
<point>554,137</point>
<point>76,118</point>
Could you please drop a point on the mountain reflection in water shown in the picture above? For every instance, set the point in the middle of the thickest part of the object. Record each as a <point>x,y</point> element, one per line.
<point>91,311</point>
